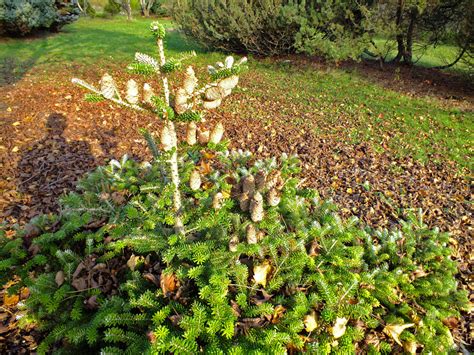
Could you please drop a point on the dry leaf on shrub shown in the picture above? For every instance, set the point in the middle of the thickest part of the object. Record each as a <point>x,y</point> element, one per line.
<point>310,322</point>
<point>339,327</point>
<point>260,273</point>
<point>168,283</point>
<point>394,331</point>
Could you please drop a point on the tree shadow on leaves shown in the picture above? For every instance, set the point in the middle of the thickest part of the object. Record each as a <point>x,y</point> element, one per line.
<point>50,168</point>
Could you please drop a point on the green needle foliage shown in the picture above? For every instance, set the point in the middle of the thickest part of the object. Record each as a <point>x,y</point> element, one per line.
<point>143,288</point>
<point>258,265</point>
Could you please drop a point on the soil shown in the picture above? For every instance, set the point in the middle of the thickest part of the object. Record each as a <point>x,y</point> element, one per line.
<point>50,137</point>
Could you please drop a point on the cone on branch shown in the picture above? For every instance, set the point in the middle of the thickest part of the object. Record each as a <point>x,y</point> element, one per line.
<point>248,185</point>
<point>195,180</point>
<point>190,81</point>
<point>168,137</point>
<point>244,201</point>
<point>209,105</point>
<point>260,179</point>
<point>217,133</point>
<point>203,137</point>
<point>310,322</point>
<point>256,207</point>
<point>191,131</point>
<point>214,93</point>
<point>217,201</point>
<point>260,273</point>
<point>233,243</point>
<point>229,62</point>
<point>227,92</point>
<point>107,86</point>
<point>181,101</point>
<point>229,83</point>
<point>132,92</point>
<point>148,93</point>
<point>274,180</point>
<point>273,197</point>
<point>251,234</point>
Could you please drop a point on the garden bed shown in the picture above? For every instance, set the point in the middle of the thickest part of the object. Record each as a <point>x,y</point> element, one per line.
<point>50,138</point>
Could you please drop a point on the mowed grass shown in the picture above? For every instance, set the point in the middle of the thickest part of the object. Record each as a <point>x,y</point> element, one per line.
<point>428,56</point>
<point>354,109</point>
<point>330,101</point>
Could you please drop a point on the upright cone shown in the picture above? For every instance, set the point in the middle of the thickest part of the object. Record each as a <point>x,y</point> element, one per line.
<point>203,137</point>
<point>233,243</point>
<point>147,93</point>
<point>195,180</point>
<point>190,81</point>
<point>260,179</point>
<point>181,101</point>
<point>107,86</point>
<point>168,138</point>
<point>217,133</point>
<point>251,234</point>
<point>248,185</point>
<point>244,201</point>
<point>256,207</point>
<point>217,201</point>
<point>273,197</point>
<point>132,92</point>
<point>191,131</point>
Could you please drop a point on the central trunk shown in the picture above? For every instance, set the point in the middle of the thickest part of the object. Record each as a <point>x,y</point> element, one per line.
<point>178,225</point>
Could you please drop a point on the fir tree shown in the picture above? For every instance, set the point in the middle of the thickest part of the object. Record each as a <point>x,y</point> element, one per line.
<point>206,249</point>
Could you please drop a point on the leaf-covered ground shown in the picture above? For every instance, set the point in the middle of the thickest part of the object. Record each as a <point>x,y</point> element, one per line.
<point>377,142</point>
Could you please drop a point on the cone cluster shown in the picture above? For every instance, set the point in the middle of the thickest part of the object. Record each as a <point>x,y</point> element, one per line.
<point>251,191</point>
<point>203,136</point>
<point>187,97</point>
<point>108,89</point>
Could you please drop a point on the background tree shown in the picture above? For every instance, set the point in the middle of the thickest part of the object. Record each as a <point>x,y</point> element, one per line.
<point>334,29</point>
<point>146,6</point>
<point>125,4</point>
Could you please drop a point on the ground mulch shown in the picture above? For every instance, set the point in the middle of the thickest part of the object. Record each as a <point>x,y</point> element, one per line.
<point>49,138</point>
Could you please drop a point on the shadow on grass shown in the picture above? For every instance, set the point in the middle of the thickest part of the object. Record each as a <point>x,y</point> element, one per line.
<point>83,45</point>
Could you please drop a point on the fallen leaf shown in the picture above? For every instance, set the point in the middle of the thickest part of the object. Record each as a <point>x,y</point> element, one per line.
<point>134,261</point>
<point>394,331</point>
<point>3,329</point>
<point>59,278</point>
<point>310,322</point>
<point>168,283</point>
<point>152,278</point>
<point>10,301</point>
<point>410,347</point>
<point>260,273</point>
<point>278,313</point>
<point>339,327</point>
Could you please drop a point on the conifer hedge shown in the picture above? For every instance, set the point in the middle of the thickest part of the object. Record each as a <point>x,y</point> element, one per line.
<point>22,17</point>
<point>210,250</point>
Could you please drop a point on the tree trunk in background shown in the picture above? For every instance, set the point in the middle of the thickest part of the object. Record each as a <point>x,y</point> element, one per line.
<point>127,8</point>
<point>146,6</point>
<point>400,44</point>
<point>408,55</point>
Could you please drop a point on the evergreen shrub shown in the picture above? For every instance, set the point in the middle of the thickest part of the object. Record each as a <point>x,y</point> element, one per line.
<point>333,29</point>
<point>161,8</point>
<point>206,249</point>
<point>112,8</point>
<point>21,17</point>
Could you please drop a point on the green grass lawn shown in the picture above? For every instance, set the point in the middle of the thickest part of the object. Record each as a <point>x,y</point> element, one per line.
<point>324,100</point>
<point>430,56</point>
